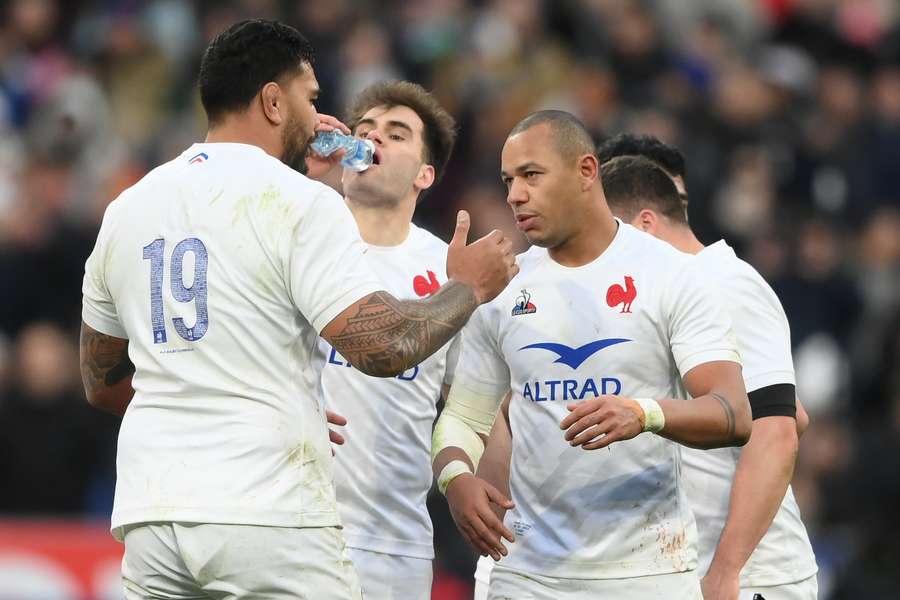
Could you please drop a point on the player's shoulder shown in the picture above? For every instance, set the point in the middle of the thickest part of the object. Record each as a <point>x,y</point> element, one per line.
<point>720,258</point>
<point>662,255</point>
<point>134,196</point>
<point>739,278</point>
<point>292,183</point>
<point>652,258</point>
<point>148,184</point>
<point>233,161</point>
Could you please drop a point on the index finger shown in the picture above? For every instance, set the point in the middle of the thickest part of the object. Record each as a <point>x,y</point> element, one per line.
<point>331,123</point>
<point>496,525</point>
<point>603,442</point>
<point>334,418</point>
<point>488,535</point>
<point>585,408</point>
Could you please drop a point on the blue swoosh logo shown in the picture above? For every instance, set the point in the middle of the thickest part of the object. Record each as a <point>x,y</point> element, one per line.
<point>574,357</point>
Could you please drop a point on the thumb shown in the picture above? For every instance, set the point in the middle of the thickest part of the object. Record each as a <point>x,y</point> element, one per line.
<point>497,498</point>
<point>461,234</point>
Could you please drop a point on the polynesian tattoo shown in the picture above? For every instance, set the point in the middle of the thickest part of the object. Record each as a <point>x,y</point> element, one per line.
<point>387,336</point>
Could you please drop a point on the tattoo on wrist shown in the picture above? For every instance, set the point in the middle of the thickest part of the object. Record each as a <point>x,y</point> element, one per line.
<point>388,335</point>
<point>729,412</point>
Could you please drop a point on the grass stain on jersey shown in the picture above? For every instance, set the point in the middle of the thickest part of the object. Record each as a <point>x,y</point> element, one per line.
<point>301,454</point>
<point>269,204</point>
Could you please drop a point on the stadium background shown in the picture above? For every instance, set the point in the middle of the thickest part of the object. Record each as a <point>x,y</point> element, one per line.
<point>788,112</point>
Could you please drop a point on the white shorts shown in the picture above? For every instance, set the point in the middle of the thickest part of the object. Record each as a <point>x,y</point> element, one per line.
<point>507,584</point>
<point>391,577</point>
<point>808,589</point>
<point>178,561</point>
<point>483,577</point>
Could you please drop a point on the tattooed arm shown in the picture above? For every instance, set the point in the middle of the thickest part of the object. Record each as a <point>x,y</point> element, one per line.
<point>383,336</point>
<point>106,370</point>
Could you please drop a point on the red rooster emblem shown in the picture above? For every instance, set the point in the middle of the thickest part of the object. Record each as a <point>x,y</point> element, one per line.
<point>615,295</point>
<point>425,287</point>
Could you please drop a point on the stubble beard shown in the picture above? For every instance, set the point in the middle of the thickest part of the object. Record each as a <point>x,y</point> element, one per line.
<point>370,194</point>
<point>295,146</point>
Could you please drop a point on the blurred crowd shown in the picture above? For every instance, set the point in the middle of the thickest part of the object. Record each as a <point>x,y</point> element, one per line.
<point>788,112</point>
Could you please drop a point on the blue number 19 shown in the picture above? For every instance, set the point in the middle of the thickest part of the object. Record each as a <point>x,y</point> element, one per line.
<point>197,291</point>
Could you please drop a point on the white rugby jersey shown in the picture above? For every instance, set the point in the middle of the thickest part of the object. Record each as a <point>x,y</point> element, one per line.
<point>221,267</point>
<point>383,471</point>
<point>628,323</point>
<point>764,339</point>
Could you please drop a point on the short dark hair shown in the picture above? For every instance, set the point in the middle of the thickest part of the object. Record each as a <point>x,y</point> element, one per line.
<point>439,127</point>
<point>633,183</point>
<point>570,136</point>
<point>627,144</point>
<point>245,57</point>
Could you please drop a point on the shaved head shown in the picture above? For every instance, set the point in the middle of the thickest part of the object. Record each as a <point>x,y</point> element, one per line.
<point>570,138</point>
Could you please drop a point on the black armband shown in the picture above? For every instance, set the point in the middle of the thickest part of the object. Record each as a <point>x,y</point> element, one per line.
<point>779,400</point>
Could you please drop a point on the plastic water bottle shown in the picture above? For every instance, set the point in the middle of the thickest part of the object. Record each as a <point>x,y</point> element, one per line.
<point>358,155</point>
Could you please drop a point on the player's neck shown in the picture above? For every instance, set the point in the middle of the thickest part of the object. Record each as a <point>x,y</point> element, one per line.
<point>684,239</point>
<point>596,231</point>
<point>382,225</point>
<point>235,131</point>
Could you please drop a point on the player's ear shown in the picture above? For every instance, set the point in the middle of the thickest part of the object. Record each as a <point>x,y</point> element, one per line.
<point>647,220</point>
<point>272,102</point>
<point>589,168</point>
<point>425,178</point>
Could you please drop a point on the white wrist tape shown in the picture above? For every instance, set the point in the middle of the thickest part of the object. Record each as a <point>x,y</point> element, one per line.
<point>452,431</point>
<point>451,471</point>
<point>465,416</point>
<point>654,418</point>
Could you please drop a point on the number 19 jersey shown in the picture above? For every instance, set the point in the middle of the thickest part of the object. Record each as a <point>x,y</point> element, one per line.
<point>220,268</point>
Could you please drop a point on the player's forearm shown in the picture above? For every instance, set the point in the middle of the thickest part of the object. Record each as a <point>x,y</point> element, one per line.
<point>450,461</point>
<point>114,399</point>
<point>494,464</point>
<point>764,471</point>
<point>708,421</point>
<point>106,371</point>
<point>456,436</point>
<point>718,413</point>
<point>387,336</point>
<point>460,433</point>
<point>447,455</point>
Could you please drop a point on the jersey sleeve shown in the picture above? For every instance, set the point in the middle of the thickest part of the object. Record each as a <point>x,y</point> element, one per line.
<point>98,309</point>
<point>327,266</point>
<point>481,367</point>
<point>762,332</point>
<point>699,326</point>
